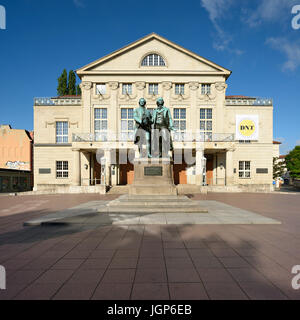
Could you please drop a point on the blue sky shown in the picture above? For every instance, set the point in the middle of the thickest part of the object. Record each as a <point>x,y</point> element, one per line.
<point>253,38</point>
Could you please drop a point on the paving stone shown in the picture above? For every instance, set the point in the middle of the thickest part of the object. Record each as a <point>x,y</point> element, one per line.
<point>147,291</point>
<point>123,263</point>
<point>95,263</point>
<point>224,291</point>
<point>75,291</point>
<point>151,275</point>
<point>119,276</point>
<point>113,291</point>
<point>55,276</point>
<point>38,291</point>
<point>183,275</point>
<point>187,291</point>
<point>262,291</point>
<point>215,275</point>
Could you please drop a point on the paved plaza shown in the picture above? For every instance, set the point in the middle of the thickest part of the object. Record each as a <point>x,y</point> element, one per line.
<point>248,254</point>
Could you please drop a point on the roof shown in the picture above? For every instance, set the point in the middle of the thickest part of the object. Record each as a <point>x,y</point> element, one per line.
<point>85,69</point>
<point>68,96</point>
<point>277,142</point>
<point>282,157</point>
<point>239,97</point>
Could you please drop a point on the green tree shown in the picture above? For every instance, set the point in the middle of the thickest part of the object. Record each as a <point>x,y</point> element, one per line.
<point>278,167</point>
<point>62,88</point>
<point>72,83</point>
<point>293,162</point>
<point>78,90</point>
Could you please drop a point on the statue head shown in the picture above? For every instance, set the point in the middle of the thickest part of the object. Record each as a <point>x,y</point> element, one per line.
<point>160,102</point>
<point>142,102</point>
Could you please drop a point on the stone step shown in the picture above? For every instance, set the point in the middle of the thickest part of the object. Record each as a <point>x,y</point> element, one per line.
<point>153,197</point>
<point>147,210</point>
<point>153,204</point>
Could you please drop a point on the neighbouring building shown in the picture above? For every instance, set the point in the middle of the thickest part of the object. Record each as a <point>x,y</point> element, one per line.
<point>230,137</point>
<point>16,147</point>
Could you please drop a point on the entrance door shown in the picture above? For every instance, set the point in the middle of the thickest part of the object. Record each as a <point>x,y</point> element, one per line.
<point>209,169</point>
<point>180,176</point>
<point>96,172</point>
<point>126,173</point>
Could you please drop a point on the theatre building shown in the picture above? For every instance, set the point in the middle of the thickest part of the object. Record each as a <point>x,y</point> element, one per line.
<point>81,141</point>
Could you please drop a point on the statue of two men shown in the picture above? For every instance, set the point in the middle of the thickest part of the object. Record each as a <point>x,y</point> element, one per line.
<point>153,130</point>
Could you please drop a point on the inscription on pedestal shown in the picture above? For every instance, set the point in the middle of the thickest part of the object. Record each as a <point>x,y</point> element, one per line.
<point>153,171</point>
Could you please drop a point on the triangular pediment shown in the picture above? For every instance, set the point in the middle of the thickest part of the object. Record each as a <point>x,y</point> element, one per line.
<point>129,58</point>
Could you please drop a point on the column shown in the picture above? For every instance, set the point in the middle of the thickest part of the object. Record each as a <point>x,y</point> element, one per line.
<point>107,156</point>
<point>86,87</point>
<point>113,120</point>
<point>76,168</point>
<point>194,116</point>
<point>199,167</point>
<point>229,167</point>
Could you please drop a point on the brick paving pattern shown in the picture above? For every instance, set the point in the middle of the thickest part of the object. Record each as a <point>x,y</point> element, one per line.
<point>192,262</point>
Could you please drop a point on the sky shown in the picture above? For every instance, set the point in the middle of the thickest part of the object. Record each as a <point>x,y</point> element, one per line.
<point>253,38</point>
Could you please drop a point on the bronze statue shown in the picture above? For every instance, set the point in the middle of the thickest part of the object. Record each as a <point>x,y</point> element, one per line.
<point>162,125</point>
<point>143,122</point>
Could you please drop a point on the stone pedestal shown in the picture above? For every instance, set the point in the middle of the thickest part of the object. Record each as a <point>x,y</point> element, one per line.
<point>153,177</point>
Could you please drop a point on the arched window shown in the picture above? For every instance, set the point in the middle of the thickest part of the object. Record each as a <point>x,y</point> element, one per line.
<point>153,60</point>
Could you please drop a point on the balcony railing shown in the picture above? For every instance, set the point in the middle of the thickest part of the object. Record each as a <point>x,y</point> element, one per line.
<point>249,102</point>
<point>176,136</point>
<point>59,101</point>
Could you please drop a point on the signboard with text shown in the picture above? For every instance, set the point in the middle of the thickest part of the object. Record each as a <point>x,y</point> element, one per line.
<point>247,127</point>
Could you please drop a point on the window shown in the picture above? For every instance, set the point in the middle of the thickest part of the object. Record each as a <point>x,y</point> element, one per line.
<point>127,124</point>
<point>62,169</point>
<point>153,88</point>
<point>244,169</point>
<point>179,115</point>
<point>100,88</point>
<point>153,60</point>
<point>205,89</point>
<point>100,124</point>
<point>206,124</point>
<point>61,131</point>
<point>179,88</point>
<point>127,88</point>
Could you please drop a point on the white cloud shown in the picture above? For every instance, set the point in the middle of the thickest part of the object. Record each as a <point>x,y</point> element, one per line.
<point>269,11</point>
<point>298,143</point>
<point>291,49</point>
<point>217,9</point>
<point>78,3</point>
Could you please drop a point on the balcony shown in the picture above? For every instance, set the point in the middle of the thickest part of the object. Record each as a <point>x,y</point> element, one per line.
<point>176,136</point>
<point>249,102</point>
<point>58,101</point>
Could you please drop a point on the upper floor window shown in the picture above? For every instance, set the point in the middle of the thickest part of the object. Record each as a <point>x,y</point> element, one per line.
<point>100,124</point>
<point>205,89</point>
<point>153,60</point>
<point>179,115</point>
<point>127,124</point>
<point>101,88</point>
<point>127,88</point>
<point>179,88</point>
<point>61,131</point>
<point>153,88</point>
<point>206,123</point>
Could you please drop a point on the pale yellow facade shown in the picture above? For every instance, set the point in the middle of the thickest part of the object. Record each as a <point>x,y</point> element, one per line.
<point>220,158</point>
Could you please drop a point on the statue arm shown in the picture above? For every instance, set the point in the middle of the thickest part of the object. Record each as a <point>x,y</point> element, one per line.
<point>171,127</point>
<point>136,117</point>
